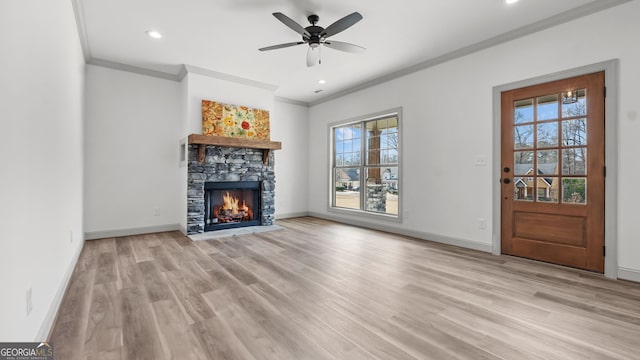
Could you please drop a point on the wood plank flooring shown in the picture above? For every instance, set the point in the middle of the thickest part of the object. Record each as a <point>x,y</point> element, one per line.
<point>323,290</point>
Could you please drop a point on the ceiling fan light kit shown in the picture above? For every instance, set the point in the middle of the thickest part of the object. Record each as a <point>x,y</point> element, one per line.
<point>315,35</point>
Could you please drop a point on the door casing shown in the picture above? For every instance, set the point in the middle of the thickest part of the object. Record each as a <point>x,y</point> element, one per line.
<point>610,69</point>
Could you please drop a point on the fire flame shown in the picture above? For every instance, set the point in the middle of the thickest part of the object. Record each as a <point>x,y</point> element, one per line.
<point>231,203</point>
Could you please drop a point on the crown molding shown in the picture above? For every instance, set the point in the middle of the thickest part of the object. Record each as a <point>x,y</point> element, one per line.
<point>133,69</point>
<point>78,12</point>
<point>291,101</point>
<point>232,78</point>
<point>564,17</point>
<point>182,72</point>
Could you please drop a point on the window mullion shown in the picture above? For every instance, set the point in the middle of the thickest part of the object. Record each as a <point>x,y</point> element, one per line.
<point>363,160</point>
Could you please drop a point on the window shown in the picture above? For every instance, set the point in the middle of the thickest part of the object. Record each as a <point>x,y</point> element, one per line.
<point>365,165</point>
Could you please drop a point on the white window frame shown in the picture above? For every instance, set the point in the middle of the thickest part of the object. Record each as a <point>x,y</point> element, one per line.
<point>396,112</point>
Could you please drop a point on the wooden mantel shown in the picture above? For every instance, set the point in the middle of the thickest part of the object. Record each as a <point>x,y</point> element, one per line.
<point>202,141</point>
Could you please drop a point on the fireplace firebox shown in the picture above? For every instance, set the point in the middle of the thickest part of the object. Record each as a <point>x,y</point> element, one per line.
<point>232,204</point>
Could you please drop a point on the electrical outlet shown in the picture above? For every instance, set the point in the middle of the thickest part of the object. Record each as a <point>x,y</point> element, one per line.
<point>29,302</point>
<point>482,223</point>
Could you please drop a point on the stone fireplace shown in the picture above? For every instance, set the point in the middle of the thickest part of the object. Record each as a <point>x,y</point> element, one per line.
<point>244,177</point>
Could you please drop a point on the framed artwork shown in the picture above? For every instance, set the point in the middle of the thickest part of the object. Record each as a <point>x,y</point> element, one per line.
<point>234,121</point>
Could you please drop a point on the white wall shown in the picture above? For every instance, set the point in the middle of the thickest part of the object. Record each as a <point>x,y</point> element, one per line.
<point>184,113</point>
<point>290,124</point>
<point>133,127</point>
<point>41,110</point>
<point>448,121</point>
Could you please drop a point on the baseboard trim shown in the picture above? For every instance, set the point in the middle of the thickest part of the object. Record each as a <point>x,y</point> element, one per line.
<point>628,274</point>
<point>94,235</point>
<point>52,315</point>
<point>443,239</point>
<point>291,215</point>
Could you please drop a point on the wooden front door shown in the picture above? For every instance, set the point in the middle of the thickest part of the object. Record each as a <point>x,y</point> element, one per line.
<point>553,172</point>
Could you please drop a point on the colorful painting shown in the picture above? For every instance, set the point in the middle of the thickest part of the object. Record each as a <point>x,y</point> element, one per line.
<point>234,121</point>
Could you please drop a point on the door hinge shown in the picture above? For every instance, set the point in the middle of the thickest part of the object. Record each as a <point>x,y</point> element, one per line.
<point>604,171</point>
<point>604,251</point>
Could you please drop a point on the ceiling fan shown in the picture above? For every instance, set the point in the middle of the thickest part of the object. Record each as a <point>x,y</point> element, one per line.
<point>315,35</point>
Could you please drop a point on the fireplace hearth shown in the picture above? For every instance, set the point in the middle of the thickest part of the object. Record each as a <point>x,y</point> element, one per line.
<point>231,204</point>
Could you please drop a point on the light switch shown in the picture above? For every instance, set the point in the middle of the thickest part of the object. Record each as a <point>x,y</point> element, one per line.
<point>481,160</point>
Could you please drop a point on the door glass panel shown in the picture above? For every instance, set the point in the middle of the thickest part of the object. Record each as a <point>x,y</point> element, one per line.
<point>547,107</point>
<point>547,189</point>
<point>574,191</point>
<point>523,162</point>
<point>574,161</point>
<point>547,162</point>
<point>523,137</point>
<point>347,193</point>
<point>574,132</point>
<point>578,106</point>
<point>523,188</point>
<point>523,111</point>
<point>536,127</point>
<point>548,134</point>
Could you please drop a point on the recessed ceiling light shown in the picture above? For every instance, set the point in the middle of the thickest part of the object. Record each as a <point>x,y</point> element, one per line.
<point>322,81</point>
<point>154,34</point>
<point>511,1</point>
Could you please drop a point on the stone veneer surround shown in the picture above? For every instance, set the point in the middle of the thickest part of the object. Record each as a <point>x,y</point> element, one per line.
<point>227,164</point>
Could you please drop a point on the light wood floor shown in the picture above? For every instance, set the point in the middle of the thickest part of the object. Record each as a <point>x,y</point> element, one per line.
<point>322,290</point>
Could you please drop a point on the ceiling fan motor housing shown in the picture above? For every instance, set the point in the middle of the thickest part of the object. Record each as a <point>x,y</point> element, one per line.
<point>315,33</point>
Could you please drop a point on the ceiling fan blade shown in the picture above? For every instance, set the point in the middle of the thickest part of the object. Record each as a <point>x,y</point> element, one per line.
<point>313,56</point>
<point>280,46</point>
<point>291,24</point>
<point>343,46</point>
<point>342,24</point>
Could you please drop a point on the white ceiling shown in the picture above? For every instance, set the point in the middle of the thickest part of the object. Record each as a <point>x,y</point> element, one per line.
<point>224,36</point>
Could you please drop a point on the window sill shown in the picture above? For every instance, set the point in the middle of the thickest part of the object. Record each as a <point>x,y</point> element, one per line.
<point>365,215</point>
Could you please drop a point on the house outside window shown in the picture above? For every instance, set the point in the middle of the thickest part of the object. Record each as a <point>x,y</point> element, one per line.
<point>365,162</point>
